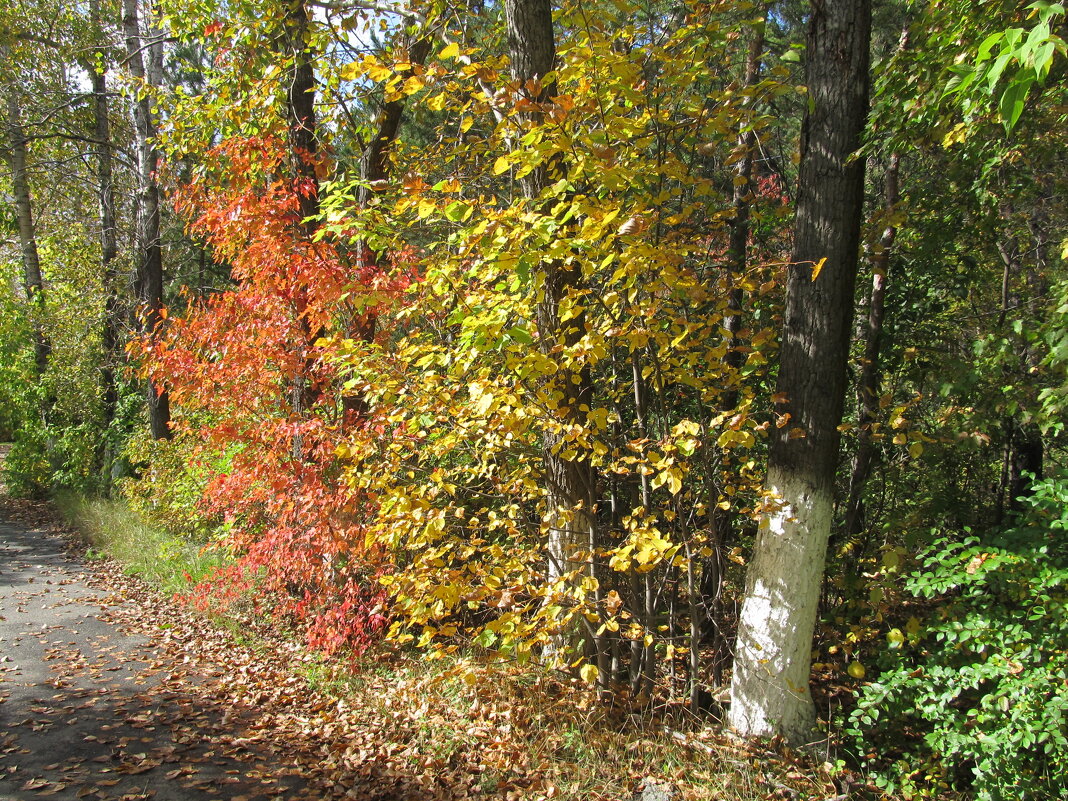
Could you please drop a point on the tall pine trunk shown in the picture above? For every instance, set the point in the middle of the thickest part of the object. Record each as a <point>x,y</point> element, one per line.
<point>770,689</point>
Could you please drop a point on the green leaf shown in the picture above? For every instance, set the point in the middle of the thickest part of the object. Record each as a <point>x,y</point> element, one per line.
<point>457,211</point>
<point>988,45</point>
<point>1012,102</point>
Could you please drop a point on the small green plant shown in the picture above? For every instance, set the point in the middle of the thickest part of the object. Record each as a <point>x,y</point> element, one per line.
<point>984,686</point>
<point>168,490</point>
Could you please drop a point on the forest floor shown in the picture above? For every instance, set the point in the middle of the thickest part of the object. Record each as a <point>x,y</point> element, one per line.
<point>111,690</point>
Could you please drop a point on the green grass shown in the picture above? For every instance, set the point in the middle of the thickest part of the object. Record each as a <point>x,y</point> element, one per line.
<point>111,528</point>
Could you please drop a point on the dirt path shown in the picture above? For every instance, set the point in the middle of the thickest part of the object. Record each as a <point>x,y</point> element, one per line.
<point>108,691</point>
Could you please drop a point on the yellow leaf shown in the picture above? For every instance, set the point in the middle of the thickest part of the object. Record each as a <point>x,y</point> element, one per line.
<point>915,449</point>
<point>589,673</point>
<point>817,267</point>
<point>856,670</point>
<point>378,72</point>
<point>450,51</point>
<point>501,165</point>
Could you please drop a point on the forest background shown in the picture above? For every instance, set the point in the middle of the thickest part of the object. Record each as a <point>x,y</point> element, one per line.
<point>657,343</point>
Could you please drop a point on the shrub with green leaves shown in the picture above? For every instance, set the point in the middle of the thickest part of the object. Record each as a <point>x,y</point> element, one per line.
<point>171,479</point>
<point>981,692</point>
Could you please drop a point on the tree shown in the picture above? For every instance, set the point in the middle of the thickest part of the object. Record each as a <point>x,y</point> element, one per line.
<point>31,261</point>
<point>103,146</point>
<point>769,691</point>
<point>149,251</point>
<point>570,491</point>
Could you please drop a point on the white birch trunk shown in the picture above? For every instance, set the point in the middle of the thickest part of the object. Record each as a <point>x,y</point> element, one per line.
<point>769,693</point>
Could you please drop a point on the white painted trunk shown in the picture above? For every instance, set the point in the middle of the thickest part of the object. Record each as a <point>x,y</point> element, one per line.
<point>772,661</point>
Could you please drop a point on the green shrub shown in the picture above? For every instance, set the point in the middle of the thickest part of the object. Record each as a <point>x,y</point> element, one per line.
<point>976,701</point>
<point>27,471</point>
<point>170,482</point>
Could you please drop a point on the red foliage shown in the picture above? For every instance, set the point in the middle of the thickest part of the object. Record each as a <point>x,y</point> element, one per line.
<point>246,367</point>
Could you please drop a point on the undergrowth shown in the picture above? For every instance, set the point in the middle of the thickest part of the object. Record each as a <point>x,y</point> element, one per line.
<point>520,732</point>
<point>166,561</point>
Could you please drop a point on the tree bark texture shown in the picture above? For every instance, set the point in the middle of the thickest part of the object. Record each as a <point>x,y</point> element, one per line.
<point>570,482</point>
<point>300,108</point>
<point>742,201</point>
<point>723,520</point>
<point>770,688</point>
<point>112,332</point>
<point>149,253</point>
<point>33,281</point>
<point>303,153</point>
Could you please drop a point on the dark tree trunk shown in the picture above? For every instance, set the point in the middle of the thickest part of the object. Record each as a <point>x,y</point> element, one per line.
<point>570,482</point>
<point>723,520</point>
<point>769,693</point>
<point>374,170</point>
<point>149,253</point>
<point>742,201</point>
<point>303,152</point>
<point>112,328</point>
<point>300,109</point>
<point>1024,453</point>
<point>868,383</point>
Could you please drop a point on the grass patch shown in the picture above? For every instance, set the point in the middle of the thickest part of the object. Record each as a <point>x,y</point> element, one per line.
<point>111,528</point>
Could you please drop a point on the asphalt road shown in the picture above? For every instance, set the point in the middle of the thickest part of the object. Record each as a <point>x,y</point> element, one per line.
<point>90,709</point>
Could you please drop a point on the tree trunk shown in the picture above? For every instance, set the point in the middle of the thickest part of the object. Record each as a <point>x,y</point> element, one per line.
<point>112,328</point>
<point>723,520</point>
<point>374,170</point>
<point>868,383</point>
<point>742,200</point>
<point>769,692</point>
<point>31,262</point>
<point>569,490</point>
<point>1024,445</point>
<point>149,254</point>
<point>300,109</point>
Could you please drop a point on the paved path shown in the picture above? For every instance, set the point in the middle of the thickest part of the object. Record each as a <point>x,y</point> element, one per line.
<point>108,691</point>
<point>88,710</point>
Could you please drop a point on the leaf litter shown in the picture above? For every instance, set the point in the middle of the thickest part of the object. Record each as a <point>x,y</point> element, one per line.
<point>241,711</point>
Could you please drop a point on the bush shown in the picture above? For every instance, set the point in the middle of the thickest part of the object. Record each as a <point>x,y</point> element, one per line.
<point>982,691</point>
<point>170,485</point>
